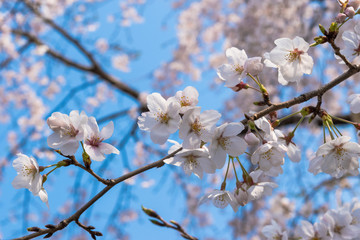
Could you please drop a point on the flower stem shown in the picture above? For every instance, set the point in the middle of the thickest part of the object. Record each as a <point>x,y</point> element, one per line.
<point>329,129</point>
<point>223,184</point>
<point>337,130</point>
<point>298,124</point>
<point>252,77</point>
<point>232,160</point>
<point>342,120</point>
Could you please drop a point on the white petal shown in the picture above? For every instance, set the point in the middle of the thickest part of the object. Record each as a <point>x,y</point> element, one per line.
<point>106,148</point>
<point>236,56</point>
<point>156,103</point>
<point>107,131</point>
<point>306,63</point>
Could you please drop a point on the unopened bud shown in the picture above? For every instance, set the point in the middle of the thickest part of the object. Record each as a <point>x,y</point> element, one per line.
<point>261,103</point>
<point>333,27</point>
<point>350,12</point>
<point>253,66</point>
<point>357,126</point>
<point>240,86</point>
<point>340,18</point>
<point>150,212</point>
<point>86,159</point>
<point>33,229</point>
<point>251,139</point>
<point>322,29</point>
<point>354,3</point>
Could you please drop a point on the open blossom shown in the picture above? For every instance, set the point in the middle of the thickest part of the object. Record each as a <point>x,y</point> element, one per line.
<point>221,199</point>
<point>291,58</point>
<point>259,189</point>
<point>68,131</point>
<point>337,157</point>
<point>354,101</point>
<point>28,174</point>
<point>307,231</point>
<point>233,71</point>
<point>274,231</point>
<point>225,141</point>
<point>187,98</point>
<point>163,118</point>
<point>270,157</point>
<point>338,223</point>
<point>195,161</point>
<point>93,143</point>
<point>352,44</point>
<point>197,127</point>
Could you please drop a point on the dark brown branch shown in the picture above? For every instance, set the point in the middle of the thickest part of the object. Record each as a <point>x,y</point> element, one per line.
<point>96,69</point>
<point>62,32</point>
<point>306,96</point>
<point>162,223</point>
<point>113,182</point>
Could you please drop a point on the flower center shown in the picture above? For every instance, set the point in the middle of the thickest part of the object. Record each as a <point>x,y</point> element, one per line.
<point>223,142</point>
<point>239,69</point>
<point>163,118</point>
<point>72,132</point>
<point>294,55</point>
<point>196,126</point>
<point>94,141</point>
<point>267,155</point>
<point>184,101</point>
<point>29,170</point>
<point>337,229</point>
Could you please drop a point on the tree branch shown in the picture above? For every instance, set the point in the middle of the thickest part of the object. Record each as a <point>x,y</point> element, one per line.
<point>77,214</point>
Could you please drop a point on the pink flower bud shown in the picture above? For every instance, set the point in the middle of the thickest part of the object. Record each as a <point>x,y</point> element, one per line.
<point>253,66</point>
<point>354,3</point>
<point>251,139</point>
<point>350,12</point>
<point>340,18</point>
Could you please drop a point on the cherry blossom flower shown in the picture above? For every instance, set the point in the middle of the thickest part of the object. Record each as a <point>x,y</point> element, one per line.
<point>352,45</point>
<point>93,141</point>
<point>196,127</point>
<point>163,118</point>
<point>354,101</point>
<point>259,189</point>
<point>121,62</point>
<point>225,141</point>
<point>28,174</point>
<point>187,98</point>
<point>221,199</point>
<point>270,157</point>
<point>337,157</point>
<point>307,231</point>
<point>68,131</point>
<point>274,231</point>
<point>195,161</point>
<point>233,71</point>
<point>338,223</point>
<point>291,58</point>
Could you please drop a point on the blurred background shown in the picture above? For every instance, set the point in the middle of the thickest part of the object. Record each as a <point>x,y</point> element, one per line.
<point>103,57</point>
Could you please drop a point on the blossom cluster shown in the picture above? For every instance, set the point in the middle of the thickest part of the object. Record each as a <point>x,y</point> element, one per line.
<point>341,223</point>
<point>205,146</point>
<point>68,132</point>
